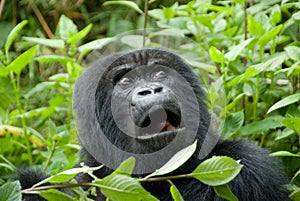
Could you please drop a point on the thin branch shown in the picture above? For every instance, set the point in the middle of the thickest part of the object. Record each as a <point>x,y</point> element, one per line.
<point>244,59</point>
<point>245,21</point>
<point>51,155</point>
<point>42,20</point>
<point>1,7</point>
<point>57,186</point>
<point>33,190</point>
<point>182,176</point>
<point>145,22</point>
<point>251,3</point>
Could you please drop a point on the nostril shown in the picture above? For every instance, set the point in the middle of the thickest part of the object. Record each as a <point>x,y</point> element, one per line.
<point>144,92</point>
<point>158,90</point>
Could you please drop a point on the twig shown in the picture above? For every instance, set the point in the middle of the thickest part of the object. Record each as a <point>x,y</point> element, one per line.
<point>251,3</point>
<point>145,22</point>
<point>51,155</point>
<point>182,176</point>
<point>33,190</point>
<point>245,21</point>
<point>244,59</point>
<point>1,7</point>
<point>57,186</point>
<point>42,20</point>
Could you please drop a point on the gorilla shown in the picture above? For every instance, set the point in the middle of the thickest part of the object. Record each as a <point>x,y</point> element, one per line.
<point>149,104</point>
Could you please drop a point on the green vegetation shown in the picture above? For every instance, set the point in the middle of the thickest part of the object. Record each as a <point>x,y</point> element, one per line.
<point>254,45</point>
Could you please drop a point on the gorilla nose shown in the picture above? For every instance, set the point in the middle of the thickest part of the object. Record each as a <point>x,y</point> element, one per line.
<point>149,94</point>
<point>149,90</point>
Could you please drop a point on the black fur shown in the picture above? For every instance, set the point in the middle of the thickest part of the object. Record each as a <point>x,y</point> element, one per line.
<point>28,176</point>
<point>261,178</point>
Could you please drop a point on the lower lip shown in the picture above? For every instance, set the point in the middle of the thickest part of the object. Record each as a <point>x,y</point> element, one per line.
<point>158,135</point>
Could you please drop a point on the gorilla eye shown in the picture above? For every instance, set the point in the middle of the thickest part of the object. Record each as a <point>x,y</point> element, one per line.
<point>159,74</point>
<point>125,81</point>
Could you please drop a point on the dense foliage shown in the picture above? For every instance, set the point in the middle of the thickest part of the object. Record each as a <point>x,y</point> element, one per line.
<point>254,45</point>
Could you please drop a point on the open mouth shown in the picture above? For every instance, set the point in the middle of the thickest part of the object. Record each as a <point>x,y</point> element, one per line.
<point>159,122</point>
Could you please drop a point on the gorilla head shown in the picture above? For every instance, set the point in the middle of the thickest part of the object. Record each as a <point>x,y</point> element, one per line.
<point>145,102</point>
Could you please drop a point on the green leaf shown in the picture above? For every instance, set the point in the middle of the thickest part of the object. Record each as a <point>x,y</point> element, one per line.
<point>284,102</point>
<point>292,123</point>
<point>175,193</point>
<point>3,71</point>
<point>272,64</point>
<point>80,35</point>
<point>11,191</point>
<point>66,28</point>
<point>169,13</point>
<point>224,191</point>
<point>126,167</point>
<point>60,77</point>
<point>55,43</point>
<point>135,41</point>
<point>296,17</point>
<point>216,55</point>
<point>240,1</point>
<point>235,102</point>
<point>236,50</point>
<point>296,175</point>
<point>284,153</point>
<point>13,34</point>
<point>254,28</point>
<point>217,170</point>
<point>259,127</point>
<point>54,58</point>
<point>233,123</point>
<point>21,61</point>
<point>250,72</point>
<point>96,44</point>
<point>295,191</point>
<point>220,25</point>
<point>157,14</point>
<point>67,175</point>
<point>55,195</point>
<point>129,4</point>
<point>38,88</point>
<point>37,135</point>
<point>176,161</point>
<point>262,41</point>
<point>275,14</point>
<point>121,187</point>
<point>31,113</point>
<point>282,134</point>
<point>293,52</point>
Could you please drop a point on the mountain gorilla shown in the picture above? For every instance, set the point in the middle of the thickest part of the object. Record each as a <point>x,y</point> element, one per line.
<point>149,104</point>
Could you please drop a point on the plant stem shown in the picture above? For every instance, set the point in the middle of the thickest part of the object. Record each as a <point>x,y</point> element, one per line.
<point>16,86</point>
<point>51,155</point>
<point>42,20</point>
<point>256,98</point>
<point>145,22</point>
<point>57,186</point>
<point>1,7</point>
<point>244,59</point>
<point>182,176</point>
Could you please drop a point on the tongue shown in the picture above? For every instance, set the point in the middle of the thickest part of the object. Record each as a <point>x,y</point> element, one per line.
<point>165,126</point>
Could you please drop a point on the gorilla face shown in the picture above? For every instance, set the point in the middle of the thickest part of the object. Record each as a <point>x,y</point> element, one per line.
<point>147,103</point>
<point>145,106</point>
<point>152,104</point>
